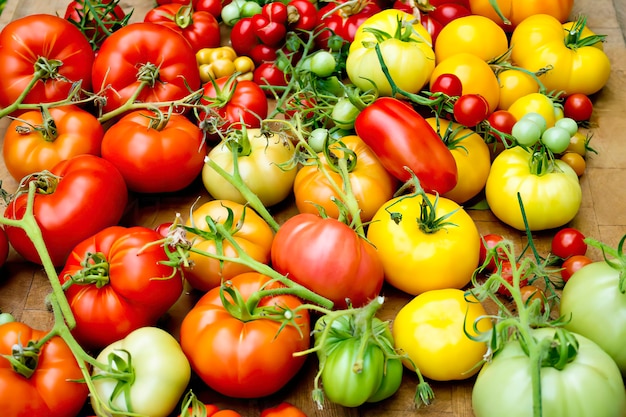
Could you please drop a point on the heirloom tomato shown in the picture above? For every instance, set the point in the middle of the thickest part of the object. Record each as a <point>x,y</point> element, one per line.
<point>117,282</point>
<point>431,330</point>
<point>46,50</point>
<point>549,190</point>
<point>80,196</point>
<point>342,20</point>
<point>475,74</point>
<point>249,230</point>
<point>144,62</point>
<point>243,352</point>
<point>283,409</point>
<point>472,157</point>
<point>40,139</point>
<point>415,241</point>
<point>53,388</point>
<point>589,385</point>
<point>157,373</point>
<point>408,54</point>
<point>371,184</point>
<point>510,13</point>
<point>514,84</point>
<point>594,301</point>
<point>329,258</point>
<point>262,160</point>
<point>155,153</point>
<point>473,34</point>
<point>574,62</point>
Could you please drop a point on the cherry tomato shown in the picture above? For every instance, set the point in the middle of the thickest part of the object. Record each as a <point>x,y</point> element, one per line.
<point>471,109</point>
<point>507,274</point>
<point>530,293</point>
<point>568,242</point>
<point>447,12</point>
<point>578,106</point>
<point>448,84</point>
<point>489,241</point>
<point>576,161</point>
<point>573,264</point>
<point>502,121</point>
<point>556,139</point>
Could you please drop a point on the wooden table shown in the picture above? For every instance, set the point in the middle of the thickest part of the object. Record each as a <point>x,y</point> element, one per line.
<point>23,287</point>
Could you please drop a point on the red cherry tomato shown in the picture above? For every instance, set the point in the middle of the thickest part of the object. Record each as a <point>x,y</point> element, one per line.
<point>471,109</point>
<point>502,121</point>
<point>568,242</point>
<point>489,241</point>
<point>448,84</point>
<point>578,106</point>
<point>447,12</point>
<point>573,264</point>
<point>507,273</point>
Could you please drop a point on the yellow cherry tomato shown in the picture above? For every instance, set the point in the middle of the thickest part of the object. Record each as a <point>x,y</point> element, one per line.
<point>475,34</point>
<point>515,84</point>
<point>575,161</point>
<point>534,103</point>
<point>430,330</point>
<point>243,64</point>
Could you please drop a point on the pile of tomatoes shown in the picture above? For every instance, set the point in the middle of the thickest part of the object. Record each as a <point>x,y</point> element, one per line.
<point>339,147</point>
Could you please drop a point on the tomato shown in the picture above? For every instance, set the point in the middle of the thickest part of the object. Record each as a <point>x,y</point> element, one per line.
<point>329,258</point>
<point>530,293</point>
<point>37,140</point>
<point>575,65</point>
<point>568,242</point>
<point>575,161</point>
<point>488,242</point>
<point>446,12</point>
<point>448,84</point>
<point>579,143</point>
<point>514,84</point>
<point>470,109</point>
<point>249,230</point>
<point>408,55</point>
<point>212,6</point>
<point>473,34</point>
<point>590,384</point>
<point>88,195</point>
<point>573,264</point>
<point>110,13</point>
<point>370,182</point>
<point>513,12</point>
<point>200,28</point>
<point>505,270</point>
<point>414,250</point>
<point>42,40</point>
<point>472,157</point>
<point>556,139</point>
<point>261,162</point>
<point>160,372</point>
<point>475,74</point>
<point>342,22</point>
<point>534,103</point>
<point>284,409</point>
<point>118,284</point>
<point>551,197</point>
<point>268,74</point>
<point>578,106</point>
<point>52,389</point>
<point>431,328</point>
<point>127,61</point>
<point>153,155</point>
<point>502,121</point>
<point>245,356</point>
<point>344,114</point>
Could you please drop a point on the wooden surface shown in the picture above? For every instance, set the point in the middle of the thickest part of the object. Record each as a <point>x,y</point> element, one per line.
<point>23,287</point>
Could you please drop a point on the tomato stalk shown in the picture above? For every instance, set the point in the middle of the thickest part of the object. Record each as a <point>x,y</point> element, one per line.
<point>573,38</point>
<point>619,259</point>
<point>99,19</point>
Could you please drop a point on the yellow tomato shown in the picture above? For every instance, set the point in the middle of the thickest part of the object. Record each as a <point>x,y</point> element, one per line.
<point>417,256</point>
<point>430,330</point>
<point>515,11</point>
<point>576,161</point>
<point>515,84</point>
<point>472,157</point>
<point>475,34</point>
<point>476,76</point>
<point>534,103</point>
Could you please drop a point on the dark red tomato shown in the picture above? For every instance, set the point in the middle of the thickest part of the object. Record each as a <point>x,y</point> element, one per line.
<point>283,409</point>
<point>302,15</point>
<point>506,272</point>
<point>212,6</point>
<point>568,242</point>
<point>447,12</point>
<point>449,84</point>
<point>471,109</point>
<point>201,29</point>
<point>109,12</point>
<point>489,241</point>
<point>90,194</point>
<point>578,106</point>
<point>41,39</point>
<point>269,74</point>
<point>342,22</point>
<point>573,264</point>
<point>4,246</point>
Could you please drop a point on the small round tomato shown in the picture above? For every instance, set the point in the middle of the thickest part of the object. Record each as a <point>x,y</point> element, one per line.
<point>576,161</point>
<point>530,293</point>
<point>471,109</point>
<point>534,103</point>
<point>556,139</point>
<point>568,242</point>
<point>573,264</point>
<point>473,34</point>
<point>515,83</point>
<point>578,106</point>
<point>579,143</point>
<point>448,84</point>
<point>506,272</point>
<point>502,121</point>
<point>431,329</point>
<point>489,241</point>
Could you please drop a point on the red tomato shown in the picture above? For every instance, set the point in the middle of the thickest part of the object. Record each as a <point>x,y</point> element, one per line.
<point>329,258</point>
<point>489,241</point>
<point>568,242</point>
<point>471,109</point>
<point>148,55</point>
<point>573,264</point>
<point>200,28</point>
<point>578,106</point>
<point>31,41</point>
<point>283,409</point>
<point>507,274</point>
<point>302,15</point>
<point>212,6</point>
<point>269,74</point>
<point>109,12</point>
<point>502,121</point>
<point>447,12</point>
<point>255,358</point>
<point>159,158</point>
<point>342,21</point>
<point>90,194</point>
<point>449,84</point>
<point>52,389</point>
<point>119,284</point>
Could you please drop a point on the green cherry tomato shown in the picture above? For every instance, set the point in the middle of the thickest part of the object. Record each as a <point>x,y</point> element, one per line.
<point>568,124</point>
<point>317,138</point>
<point>556,139</point>
<point>526,132</point>
<point>344,114</point>
<point>323,64</point>
<point>537,118</point>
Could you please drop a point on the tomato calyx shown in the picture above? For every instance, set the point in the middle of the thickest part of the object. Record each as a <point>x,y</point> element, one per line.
<point>24,359</point>
<point>573,38</point>
<point>97,20</point>
<point>95,271</point>
<point>119,368</point>
<point>618,261</point>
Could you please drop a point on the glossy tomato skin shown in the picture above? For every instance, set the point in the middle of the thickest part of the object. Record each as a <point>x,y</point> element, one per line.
<point>27,39</point>
<point>137,290</point>
<point>133,47</point>
<point>568,242</point>
<point>329,258</point>
<point>51,390</point>
<point>155,159</point>
<point>518,10</point>
<point>578,107</point>
<point>90,195</point>
<point>244,359</point>
<point>341,24</point>
<point>573,264</point>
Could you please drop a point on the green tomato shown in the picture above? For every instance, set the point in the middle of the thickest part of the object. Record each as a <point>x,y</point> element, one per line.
<point>161,373</point>
<point>597,309</point>
<point>556,139</point>
<point>6,318</point>
<point>568,124</point>
<point>323,64</point>
<point>231,13</point>
<point>589,385</point>
<point>537,118</point>
<point>344,114</point>
<point>317,138</point>
<point>526,132</point>
<point>391,381</point>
